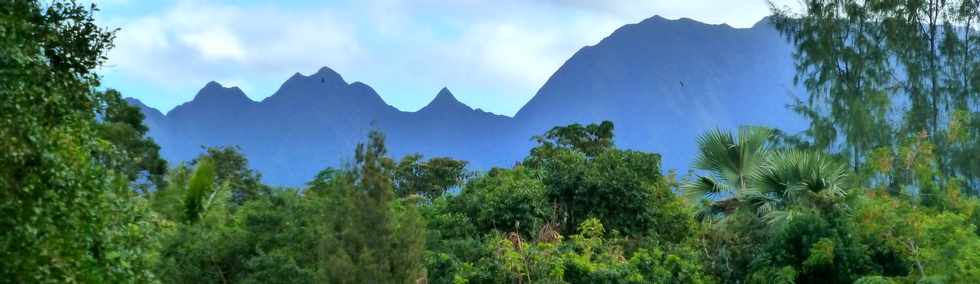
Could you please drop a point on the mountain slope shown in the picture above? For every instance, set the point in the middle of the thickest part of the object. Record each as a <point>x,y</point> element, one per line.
<point>663,82</point>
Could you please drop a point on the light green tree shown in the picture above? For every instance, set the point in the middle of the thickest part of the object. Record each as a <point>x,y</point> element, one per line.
<point>879,73</point>
<point>200,192</point>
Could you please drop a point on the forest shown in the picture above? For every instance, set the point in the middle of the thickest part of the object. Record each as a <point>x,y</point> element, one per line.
<point>883,187</point>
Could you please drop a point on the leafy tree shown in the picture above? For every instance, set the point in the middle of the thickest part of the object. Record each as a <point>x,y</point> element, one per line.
<point>231,169</point>
<point>261,241</point>
<point>591,256</point>
<point>624,189</point>
<point>922,245</point>
<point>811,247</point>
<point>370,236</point>
<point>430,178</point>
<point>169,201</point>
<point>210,249</point>
<point>122,125</point>
<point>591,140</point>
<point>455,249</point>
<point>281,229</point>
<point>506,201</point>
<point>586,176</point>
<point>67,216</point>
<point>846,79</point>
<point>880,73</point>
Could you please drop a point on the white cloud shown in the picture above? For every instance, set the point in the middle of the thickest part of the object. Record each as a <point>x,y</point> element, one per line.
<point>215,44</point>
<point>194,42</point>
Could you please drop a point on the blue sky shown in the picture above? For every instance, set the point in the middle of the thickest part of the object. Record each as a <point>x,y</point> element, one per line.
<point>493,55</point>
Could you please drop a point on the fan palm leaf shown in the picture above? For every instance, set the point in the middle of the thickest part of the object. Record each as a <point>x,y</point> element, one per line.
<point>742,173</point>
<point>727,161</point>
<point>797,179</point>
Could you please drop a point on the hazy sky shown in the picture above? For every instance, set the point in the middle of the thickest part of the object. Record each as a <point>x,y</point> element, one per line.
<point>491,54</point>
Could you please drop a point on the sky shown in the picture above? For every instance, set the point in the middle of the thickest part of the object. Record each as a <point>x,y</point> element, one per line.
<point>492,54</point>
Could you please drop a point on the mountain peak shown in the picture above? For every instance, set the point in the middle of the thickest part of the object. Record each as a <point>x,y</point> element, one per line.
<point>656,18</point>
<point>213,96</point>
<point>444,101</point>
<point>134,102</point>
<point>213,93</point>
<point>327,73</point>
<point>658,21</point>
<point>324,79</point>
<point>323,75</point>
<point>445,95</point>
<point>213,85</point>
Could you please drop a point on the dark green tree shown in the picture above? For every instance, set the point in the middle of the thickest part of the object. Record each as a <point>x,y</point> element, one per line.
<point>430,178</point>
<point>506,200</point>
<point>586,176</point>
<point>67,216</point>
<point>139,157</point>
<point>370,236</point>
<point>232,170</point>
<point>590,139</point>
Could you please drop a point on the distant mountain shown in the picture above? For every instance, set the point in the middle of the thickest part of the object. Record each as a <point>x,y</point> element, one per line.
<point>661,81</point>
<point>315,121</point>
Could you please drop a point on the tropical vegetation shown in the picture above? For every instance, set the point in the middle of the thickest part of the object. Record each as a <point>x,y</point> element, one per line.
<point>883,187</point>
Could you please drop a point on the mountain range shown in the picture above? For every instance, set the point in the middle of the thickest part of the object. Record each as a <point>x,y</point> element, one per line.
<point>662,82</point>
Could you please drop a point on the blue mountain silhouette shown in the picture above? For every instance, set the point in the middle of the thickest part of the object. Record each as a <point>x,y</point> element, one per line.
<point>662,82</point>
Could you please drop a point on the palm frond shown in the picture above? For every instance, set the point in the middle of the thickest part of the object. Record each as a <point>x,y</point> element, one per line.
<point>801,179</point>
<point>732,159</point>
<point>714,153</point>
<point>704,187</point>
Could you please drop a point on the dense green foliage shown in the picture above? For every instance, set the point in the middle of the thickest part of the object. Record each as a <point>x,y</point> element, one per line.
<point>430,178</point>
<point>758,212</point>
<point>68,214</point>
<point>870,193</point>
<point>231,170</point>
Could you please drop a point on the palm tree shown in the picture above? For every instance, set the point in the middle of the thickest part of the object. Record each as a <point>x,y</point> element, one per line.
<point>729,162</point>
<point>743,173</point>
<point>794,182</point>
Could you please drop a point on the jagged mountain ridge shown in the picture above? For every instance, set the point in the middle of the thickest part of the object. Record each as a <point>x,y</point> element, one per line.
<point>661,81</point>
<point>310,123</point>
